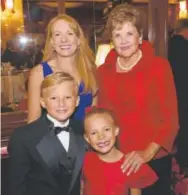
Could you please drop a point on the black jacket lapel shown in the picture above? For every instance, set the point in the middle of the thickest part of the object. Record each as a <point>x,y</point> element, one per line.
<point>50,149</point>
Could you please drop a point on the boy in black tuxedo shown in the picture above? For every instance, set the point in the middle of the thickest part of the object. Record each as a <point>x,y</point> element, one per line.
<point>46,155</point>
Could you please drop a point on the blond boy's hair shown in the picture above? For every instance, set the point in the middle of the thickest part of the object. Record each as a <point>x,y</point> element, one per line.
<point>56,79</point>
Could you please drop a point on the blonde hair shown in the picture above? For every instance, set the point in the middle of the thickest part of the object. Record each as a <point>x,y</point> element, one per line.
<point>57,79</point>
<point>85,58</point>
<point>120,14</point>
<point>98,110</point>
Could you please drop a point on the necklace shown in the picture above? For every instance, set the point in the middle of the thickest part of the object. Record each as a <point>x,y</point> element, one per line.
<point>131,66</point>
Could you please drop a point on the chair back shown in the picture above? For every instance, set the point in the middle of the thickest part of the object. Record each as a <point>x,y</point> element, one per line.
<point>11,121</point>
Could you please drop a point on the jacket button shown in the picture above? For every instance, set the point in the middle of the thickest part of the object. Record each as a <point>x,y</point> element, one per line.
<point>69,158</point>
<point>69,171</point>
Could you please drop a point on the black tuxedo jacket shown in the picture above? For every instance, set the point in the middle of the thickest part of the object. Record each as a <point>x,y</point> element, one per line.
<point>33,151</point>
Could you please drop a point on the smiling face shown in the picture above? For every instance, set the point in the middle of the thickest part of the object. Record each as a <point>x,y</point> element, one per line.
<point>101,132</point>
<point>64,40</point>
<point>126,39</point>
<point>60,100</point>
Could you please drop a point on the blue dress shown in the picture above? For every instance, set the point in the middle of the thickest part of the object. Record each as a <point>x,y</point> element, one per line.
<point>85,98</point>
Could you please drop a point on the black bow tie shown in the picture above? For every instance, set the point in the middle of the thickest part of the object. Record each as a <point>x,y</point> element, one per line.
<point>57,130</point>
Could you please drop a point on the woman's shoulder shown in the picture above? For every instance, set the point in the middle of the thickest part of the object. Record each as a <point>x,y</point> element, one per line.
<point>110,60</point>
<point>159,60</point>
<point>43,69</point>
<point>36,71</point>
<point>160,65</point>
<point>102,67</point>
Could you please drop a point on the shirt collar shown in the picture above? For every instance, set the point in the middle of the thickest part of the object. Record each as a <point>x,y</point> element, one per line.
<point>57,123</point>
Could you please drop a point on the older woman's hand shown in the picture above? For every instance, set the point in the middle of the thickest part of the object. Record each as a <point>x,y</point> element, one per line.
<point>135,159</point>
<point>133,162</point>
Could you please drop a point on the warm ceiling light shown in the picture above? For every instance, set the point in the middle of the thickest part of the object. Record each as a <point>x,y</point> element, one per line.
<point>9,4</point>
<point>182,5</point>
<point>183,9</point>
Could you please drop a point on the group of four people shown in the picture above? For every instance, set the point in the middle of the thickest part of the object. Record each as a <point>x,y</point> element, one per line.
<point>46,156</point>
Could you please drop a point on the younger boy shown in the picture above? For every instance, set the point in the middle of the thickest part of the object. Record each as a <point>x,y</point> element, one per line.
<point>101,131</point>
<point>46,155</point>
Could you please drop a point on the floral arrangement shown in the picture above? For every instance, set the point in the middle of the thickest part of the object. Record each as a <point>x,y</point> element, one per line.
<point>179,182</point>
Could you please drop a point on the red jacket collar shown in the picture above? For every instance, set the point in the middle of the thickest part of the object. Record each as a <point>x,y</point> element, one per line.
<point>147,56</point>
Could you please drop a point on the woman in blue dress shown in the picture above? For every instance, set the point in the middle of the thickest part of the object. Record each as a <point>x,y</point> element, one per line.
<point>66,50</point>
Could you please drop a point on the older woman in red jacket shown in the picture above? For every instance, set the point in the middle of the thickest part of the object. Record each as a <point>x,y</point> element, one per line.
<point>138,86</point>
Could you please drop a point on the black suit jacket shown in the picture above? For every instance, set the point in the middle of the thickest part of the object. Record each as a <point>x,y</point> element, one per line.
<point>178,58</point>
<point>32,151</point>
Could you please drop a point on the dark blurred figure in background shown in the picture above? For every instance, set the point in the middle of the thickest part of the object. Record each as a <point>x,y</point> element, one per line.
<point>15,55</point>
<point>178,58</point>
<point>23,102</point>
<point>37,55</point>
<point>22,57</point>
<point>31,55</point>
<point>9,54</point>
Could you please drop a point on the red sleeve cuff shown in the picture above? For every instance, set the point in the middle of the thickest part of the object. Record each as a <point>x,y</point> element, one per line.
<point>144,177</point>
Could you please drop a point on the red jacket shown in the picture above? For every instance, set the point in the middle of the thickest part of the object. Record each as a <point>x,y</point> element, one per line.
<point>143,99</point>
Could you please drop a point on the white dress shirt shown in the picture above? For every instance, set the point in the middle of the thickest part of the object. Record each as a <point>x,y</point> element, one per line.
<point>63,136</point>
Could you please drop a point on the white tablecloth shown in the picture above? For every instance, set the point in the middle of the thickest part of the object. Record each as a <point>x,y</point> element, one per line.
<point>11,87</point>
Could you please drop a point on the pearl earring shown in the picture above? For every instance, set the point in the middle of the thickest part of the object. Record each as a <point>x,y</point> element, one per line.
<point>140,41</point>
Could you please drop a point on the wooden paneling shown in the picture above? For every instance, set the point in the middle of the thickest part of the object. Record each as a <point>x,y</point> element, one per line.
<point>10,121</point>
<point>158,25</point>
<point>61,6</point>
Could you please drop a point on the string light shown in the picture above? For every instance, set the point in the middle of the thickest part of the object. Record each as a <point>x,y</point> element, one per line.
<point>183,9</point>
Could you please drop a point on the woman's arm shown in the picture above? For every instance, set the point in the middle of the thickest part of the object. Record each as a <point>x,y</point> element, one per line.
<point>135,159</point>
<point>35,80</point>
<point>95,96</point>
<point>167,127</point>
<point>94,103</point>
<point>167,105</point>
<point>81,187</point>
<point>135,191</point>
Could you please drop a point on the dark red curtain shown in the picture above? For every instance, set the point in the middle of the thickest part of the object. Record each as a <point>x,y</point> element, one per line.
<point>2,5</point>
